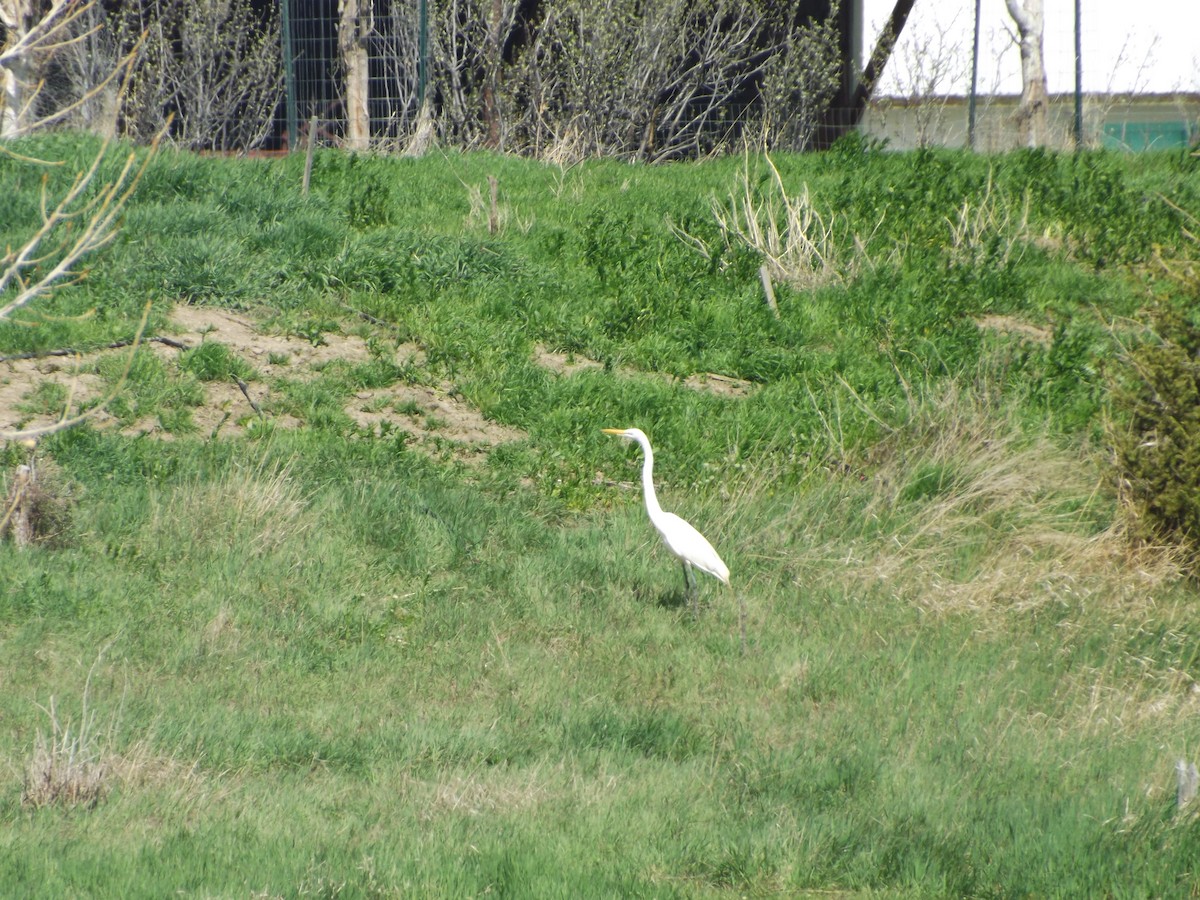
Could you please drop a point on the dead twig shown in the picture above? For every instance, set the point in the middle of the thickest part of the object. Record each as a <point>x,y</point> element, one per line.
<point>768,289</point>
<point>246,393</point>
<point>17,513</point>
<point>115,345</point>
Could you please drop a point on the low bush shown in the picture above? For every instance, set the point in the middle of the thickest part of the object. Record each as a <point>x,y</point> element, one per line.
<point>1156,430</point>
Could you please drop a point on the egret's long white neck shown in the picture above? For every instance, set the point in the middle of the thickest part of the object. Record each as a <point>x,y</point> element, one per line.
<point>652,506</point>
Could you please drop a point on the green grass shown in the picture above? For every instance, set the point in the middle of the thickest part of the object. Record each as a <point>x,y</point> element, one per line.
<point>321,662</point>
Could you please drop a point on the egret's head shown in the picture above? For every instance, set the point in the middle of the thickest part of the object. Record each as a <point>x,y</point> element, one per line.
<point>630,434</point>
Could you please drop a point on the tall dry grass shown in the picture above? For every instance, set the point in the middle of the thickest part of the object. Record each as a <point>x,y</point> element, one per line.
<point>961,508</point>
<point>795,239</point>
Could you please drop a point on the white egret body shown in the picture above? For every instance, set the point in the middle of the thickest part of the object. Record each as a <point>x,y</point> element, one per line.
<point>680,537</point>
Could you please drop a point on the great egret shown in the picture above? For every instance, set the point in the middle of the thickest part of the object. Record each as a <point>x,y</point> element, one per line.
<point>680,537</point>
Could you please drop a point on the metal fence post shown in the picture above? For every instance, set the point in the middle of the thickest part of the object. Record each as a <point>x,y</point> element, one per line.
<point>974,83</point>
<point>289,76</point>
<point>1078,79</point>
<point>423,53</point>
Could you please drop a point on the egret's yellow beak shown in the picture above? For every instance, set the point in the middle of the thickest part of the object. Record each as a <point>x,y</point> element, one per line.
<point>613,430</point>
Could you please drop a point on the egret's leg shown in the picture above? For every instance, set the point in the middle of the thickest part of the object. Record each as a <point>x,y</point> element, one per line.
<point>689,583</point>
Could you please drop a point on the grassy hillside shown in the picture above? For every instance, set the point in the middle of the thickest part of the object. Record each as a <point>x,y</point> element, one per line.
<point>406,631</point>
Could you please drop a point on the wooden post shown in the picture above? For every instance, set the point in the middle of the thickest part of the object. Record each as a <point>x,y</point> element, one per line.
<point>768,289</point>
<point>308,155</point>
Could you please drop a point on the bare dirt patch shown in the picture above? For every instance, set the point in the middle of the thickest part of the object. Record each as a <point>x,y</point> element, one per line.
<point>436,418</point>
<point>721,385</point>
<point>431,415</point>
<point>563,363</point>
<point>1017,328</point>
<point>271,354</point>
<point>20,380</point>
<point>569,364</point>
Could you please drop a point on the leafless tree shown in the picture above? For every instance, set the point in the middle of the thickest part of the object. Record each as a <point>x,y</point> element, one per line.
<point>624,77</point>
<point>397,41</point>
<point>924,69</point>
<point>355,24</point>
<point>643,80</point>
<point>74,222</point>
<point>1100,105</point>
<point>211,63</point>
<point>1033,112</point>
<point>38,33</point>
<point>469,71</point>
<point>79,77</point>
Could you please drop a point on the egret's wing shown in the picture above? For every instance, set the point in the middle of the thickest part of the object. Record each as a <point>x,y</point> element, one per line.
<point>691,546</point>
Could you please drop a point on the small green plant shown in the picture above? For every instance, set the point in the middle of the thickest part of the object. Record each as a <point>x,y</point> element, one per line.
<point>214,361</point>
<point>313,331</point>
<point>48,398</point>
<point>151,389</point>
<point>369,205</point>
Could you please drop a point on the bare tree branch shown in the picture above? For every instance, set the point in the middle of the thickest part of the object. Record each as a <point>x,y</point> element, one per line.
<point>211,63</point>
<point>92,223</point>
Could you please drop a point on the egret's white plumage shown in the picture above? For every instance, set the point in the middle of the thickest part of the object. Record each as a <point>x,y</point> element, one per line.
<point>680,537</point>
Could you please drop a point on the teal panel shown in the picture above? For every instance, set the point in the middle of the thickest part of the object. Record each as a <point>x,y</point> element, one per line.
<point>1146,135</point>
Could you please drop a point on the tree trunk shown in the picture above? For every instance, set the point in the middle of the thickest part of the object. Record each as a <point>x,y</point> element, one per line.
<point>354,28</point>
<point>493,61</point>
<point>19,69</point>
<point>1032,113</point>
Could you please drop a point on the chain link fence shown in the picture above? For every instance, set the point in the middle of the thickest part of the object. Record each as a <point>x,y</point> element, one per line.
<point>564,79</point>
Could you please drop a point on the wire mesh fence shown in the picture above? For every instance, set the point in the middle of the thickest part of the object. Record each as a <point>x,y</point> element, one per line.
<point>950,80</point>
<point>326,43</point>
<point>564,79</point>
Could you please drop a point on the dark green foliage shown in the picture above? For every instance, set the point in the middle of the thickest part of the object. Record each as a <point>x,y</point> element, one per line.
<point>1156,406</point>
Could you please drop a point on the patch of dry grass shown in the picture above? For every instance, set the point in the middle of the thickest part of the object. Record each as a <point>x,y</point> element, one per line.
<point>960,509</point>
<point>70,766</point>
<point>38,503</point>
<point>72,763</point>
<point>260,508</point>
<point>990,230</point>
<point>795,239</point>
<point>75,760</point>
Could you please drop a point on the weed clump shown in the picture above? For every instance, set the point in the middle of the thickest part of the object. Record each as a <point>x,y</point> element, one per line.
<point>38,505</point>
<point>1156,432</point>
<point>68,767</point>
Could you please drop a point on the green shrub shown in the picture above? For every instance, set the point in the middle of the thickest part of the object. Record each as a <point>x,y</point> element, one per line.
<point>1156,436</point>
